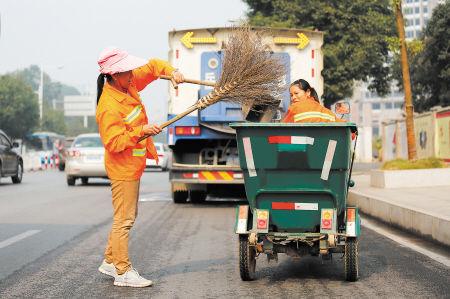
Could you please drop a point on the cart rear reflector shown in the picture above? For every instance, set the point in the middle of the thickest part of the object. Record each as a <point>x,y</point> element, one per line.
<point>304,206</point>
<point>241,225</point>
<point>351,222</point>
<point>262,219</point>
<point>328,221</point>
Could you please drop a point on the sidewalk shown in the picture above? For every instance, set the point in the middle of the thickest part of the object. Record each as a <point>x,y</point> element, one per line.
<point>423,211</point>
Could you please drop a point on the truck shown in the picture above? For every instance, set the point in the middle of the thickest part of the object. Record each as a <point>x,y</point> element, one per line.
<point>204,148</point>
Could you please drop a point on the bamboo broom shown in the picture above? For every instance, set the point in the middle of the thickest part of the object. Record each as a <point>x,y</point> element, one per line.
<point>250,75</point>
<point>192,81</point>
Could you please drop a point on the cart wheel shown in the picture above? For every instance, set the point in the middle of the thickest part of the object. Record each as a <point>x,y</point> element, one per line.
<point>351,259</point>
<point>179,196</point>
<point>197,196</point>
<point>247,259</point>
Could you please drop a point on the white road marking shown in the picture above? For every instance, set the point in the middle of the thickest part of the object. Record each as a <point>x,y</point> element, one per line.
<point>155,197</point>
<point>405,242</point>
<point>18,238</point>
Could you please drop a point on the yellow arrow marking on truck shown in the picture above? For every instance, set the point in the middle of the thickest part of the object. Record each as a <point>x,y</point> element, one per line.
<point>302,40</point>
<point>188,40</point>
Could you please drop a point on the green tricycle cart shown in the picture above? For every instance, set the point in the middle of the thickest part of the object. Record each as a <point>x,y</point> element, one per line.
<point>296,181</point>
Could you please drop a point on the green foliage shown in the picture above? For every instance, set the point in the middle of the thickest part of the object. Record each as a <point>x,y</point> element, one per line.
<point>356,33</point>
<point>53,120</point>
<point>19,111</point>
<point>53,97</point>
<point>75,125</point>
<point>413,49</point>
<point>53,91</point>
<point>430,71</point>
<point>400,164</point>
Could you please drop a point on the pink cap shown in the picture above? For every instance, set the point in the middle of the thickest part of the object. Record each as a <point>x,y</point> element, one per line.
<point>113,60</point>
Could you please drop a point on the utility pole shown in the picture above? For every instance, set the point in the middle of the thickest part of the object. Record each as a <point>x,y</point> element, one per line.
<point>411,140</point>
<point>41,92</point>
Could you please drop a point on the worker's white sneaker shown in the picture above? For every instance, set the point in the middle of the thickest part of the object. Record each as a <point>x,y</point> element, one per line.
<point>107,268</point>
<point>131,278</point>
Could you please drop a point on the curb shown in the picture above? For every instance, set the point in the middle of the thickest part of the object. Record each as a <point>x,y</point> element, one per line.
<point>418,222</point>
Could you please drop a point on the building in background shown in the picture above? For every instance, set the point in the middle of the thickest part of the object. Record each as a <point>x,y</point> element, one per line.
<point>416,14</point>
<point>80,106</point>
<point>369,111</point>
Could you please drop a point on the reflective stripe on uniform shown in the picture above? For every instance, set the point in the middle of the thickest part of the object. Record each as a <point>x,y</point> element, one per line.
<point>133,115</point>
<point>139,152</point>
<point>313,114</point>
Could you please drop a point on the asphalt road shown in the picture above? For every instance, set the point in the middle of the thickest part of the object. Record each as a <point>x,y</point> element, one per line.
<point>52,239</point>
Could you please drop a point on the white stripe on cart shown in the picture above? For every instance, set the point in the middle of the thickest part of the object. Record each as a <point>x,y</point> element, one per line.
<point>302,140</point>
<point>249,156</point>
<point>328,160</point>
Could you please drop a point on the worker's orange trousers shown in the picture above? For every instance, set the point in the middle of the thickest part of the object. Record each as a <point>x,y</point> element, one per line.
<point>125,199</point>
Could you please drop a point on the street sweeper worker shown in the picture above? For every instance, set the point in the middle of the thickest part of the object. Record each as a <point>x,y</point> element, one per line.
<point>122,120</point>
<point>305,105</point>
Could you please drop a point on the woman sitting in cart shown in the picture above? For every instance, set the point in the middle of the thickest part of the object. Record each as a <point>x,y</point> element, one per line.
<point>305,106</point>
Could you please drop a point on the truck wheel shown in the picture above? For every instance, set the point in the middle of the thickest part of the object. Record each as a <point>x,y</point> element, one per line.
<point>247,259</point>
<point>179,196</point>
<point>85,180</point>
<point>351,259</point>
<point>71,181</point>
<point>197,196</point>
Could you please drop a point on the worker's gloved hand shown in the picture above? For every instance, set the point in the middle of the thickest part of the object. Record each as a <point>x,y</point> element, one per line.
<point>151,130</point>
<point>178,77</point>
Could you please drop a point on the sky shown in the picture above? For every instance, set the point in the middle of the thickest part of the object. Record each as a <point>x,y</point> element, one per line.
<point>66,36</point>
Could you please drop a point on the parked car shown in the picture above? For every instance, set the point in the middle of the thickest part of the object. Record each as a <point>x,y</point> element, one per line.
<point>163,155</point>
<point>85,159</point>
<point>11,163</point>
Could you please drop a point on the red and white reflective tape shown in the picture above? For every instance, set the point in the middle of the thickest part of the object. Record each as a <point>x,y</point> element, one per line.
<point>299,206</point>
<point>328,160</point>
<point>303,206</point>
<point>249,156</point>
<point>291,140</point>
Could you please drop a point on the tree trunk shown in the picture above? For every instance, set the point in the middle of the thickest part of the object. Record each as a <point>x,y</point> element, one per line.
<point>412,154</point>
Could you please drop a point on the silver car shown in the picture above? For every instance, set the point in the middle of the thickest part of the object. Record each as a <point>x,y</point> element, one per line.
<point>163,156</point>
<point>85,159</point>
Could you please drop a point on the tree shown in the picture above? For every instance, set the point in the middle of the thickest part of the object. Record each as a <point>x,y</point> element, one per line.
<point>409,108</point>
<point>356,38</point>
<point>19,111</point>
<point>431,67</point>
<point>52,90</point>
<point>53,120</point>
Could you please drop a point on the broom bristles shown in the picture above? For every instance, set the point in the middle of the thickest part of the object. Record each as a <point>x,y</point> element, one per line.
<point>251,75</point>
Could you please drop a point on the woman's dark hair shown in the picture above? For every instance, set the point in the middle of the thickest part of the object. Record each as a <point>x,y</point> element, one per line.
<point>304,85</point>
<point>100,83</point>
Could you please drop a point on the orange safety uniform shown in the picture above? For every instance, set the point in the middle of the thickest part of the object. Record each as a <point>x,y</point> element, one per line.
<point>309,111</point>
<point>121,118</point>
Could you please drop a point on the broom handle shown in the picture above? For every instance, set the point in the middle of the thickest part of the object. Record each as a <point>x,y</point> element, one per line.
<point>172,120</point>
<point>193,81</point>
